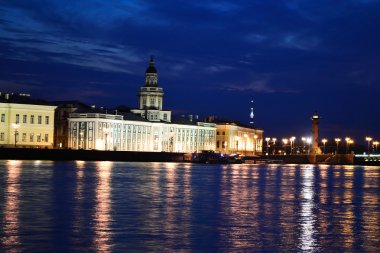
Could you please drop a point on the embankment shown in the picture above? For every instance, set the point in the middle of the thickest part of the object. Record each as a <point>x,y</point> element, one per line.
<point>88,155</point>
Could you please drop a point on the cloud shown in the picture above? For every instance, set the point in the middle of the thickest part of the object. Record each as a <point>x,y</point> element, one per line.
<point>220,6</point>
<point>34,41</point>
<point>298,41</point>
<point>218,68</point>
<point>20,85</point>
<point>255,38</point>
<point>258,86</point>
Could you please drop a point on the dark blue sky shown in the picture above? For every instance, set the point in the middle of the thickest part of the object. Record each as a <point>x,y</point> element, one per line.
<point>292,57</point>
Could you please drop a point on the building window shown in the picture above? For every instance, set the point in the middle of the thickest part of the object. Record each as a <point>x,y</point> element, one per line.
<point>151,101</point>
<point>217,133</point>
<point>47,120</point>
<point>46,137</point>
<point>3,117</point>
<point>31,119</point>
<point>24,136</point>
<point>144,102</point>
<point>1,136</point>
<point>223,133</point>
<point>39,119</point>
<point>217,144</point>
<point>32,137</point>
<point>165,116</point>
<point>24,118</point>
<point>17,118</point>
<point>38,137</point>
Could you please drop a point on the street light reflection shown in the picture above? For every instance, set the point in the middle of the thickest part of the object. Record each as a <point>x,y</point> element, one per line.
<point>12,204</point>
<point>102,217</point>
<point>307,238</point>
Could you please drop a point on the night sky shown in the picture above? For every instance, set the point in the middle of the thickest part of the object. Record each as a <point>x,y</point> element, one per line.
<point>292,57</point>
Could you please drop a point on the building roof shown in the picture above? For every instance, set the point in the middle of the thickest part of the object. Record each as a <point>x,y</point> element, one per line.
<point>71,104</point>
<point>222,121</point>
<point>22,99</point>
<point>151,68</point>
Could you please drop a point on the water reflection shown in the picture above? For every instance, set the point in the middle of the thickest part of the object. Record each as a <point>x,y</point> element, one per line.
<point>11,222</point>
<point>79,219</point>
<point>102,216</point>
<point>307,220</point>
<point>172,207</point>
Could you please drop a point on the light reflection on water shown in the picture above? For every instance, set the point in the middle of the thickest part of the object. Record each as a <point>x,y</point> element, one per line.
<point>113,206</point>
<point>11,239</point>
<point>102,217</point>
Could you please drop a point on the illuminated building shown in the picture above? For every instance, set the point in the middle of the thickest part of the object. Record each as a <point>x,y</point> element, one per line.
<point>62,112</point>
<point>232,138</point>
<point>148,128</point>
<point>25,122</point>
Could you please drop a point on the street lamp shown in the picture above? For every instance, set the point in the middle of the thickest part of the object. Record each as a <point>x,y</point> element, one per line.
<point>245,143</point>
<point>349,141</point>
<point>292,144</point>
<point>255,143</point>
<point>267,140</point>
<point>16,127</point>
<point>368,139</point>
<point>274,145</point>
<point>324,145</point>
<point>285,141</point>
<point>375,143</point>
<point>308,141</point>
<point>81,133</point>
<point>303,142</point>
<point>225,146</point>
<point>106,131</point>
<point>337,140</point>
<point>237,143</point>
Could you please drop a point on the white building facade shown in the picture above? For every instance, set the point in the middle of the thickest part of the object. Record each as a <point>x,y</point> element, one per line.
<point>148,128</point>
<point>113,132</point>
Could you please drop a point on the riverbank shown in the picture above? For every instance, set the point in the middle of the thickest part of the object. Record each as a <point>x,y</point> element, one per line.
<point>133,156</point>
<point>88,155</point>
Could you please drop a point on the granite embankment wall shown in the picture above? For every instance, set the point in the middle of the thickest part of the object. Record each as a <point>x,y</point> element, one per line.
<point>313,159</point>
<point>88,155</point>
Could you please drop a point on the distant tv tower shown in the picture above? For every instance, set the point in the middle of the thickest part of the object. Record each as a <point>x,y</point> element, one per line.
<point>251,115</point>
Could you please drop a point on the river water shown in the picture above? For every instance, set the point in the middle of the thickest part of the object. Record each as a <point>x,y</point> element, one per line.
<point>48,206</point>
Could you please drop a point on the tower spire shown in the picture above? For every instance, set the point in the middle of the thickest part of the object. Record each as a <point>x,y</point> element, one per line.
<point>251,115</point>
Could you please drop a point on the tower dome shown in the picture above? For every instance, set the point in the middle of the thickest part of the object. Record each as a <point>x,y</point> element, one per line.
<point>151,74</point>
<point>151,68</point>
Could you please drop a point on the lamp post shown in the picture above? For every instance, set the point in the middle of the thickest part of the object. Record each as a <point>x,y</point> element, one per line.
<point>285,141</point>
<point>324,145</point>
<point>368,139</point>
<point>274,145</point>
<point>292,144</point>
<point>308,141</point>
<point>267,139</point>
<point>337,140</point>
<point>237,143</point>
<point>255,144</point>
<point>106,132</point>
<point>225,146</point>
<point>375,143</point>
<point>303,142</point>
<point>349,141</point>
<point>245,144</point>
<point>81,133</point>
<point>16,127</point>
